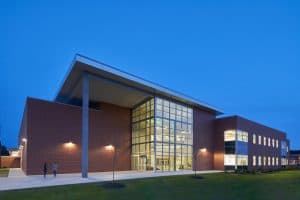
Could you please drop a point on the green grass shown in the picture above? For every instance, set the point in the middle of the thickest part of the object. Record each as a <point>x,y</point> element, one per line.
<point>4,172</point>
<point>282,185</point>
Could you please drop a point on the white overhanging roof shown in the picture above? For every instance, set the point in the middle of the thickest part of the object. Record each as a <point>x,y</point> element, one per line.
<point>111,85</point>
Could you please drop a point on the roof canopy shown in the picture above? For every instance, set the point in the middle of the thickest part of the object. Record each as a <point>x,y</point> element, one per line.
<point>111,85</point>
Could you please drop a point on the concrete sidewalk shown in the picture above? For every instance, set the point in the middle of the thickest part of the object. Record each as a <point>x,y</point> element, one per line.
<point>17,180</point>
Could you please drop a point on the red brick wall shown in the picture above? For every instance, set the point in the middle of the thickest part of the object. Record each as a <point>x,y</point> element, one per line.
<point>9,162</point>
<point>251,127</point>
<point>203,138</point>
<point>52,125</point>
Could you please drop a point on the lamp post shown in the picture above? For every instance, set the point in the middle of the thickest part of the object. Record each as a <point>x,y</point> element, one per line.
<point>112,149</point>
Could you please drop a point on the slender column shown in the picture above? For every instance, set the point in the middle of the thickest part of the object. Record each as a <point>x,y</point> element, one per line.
<point>235,153</point>
<point>85,126</point>
<point>155,164</point>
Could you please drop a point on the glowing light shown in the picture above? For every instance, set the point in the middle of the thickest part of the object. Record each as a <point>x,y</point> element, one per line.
<point>109,147</point>
<point>203,150</point>
<point>69,144</point>
<point>24,140</point>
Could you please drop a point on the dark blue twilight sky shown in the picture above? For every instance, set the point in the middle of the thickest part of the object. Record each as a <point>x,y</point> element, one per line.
<point>243,57</point>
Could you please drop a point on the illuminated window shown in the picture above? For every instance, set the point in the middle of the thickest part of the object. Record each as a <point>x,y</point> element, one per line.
<point>276,161</point>
<point>273,143</point>
<point>229,135</point>
<point>242,136</point>
<point>254,139</point>
<point>259,160</point>
<point>265,161</point>
<point>229,159</point>
<point>242,160</point>
<point>254,160</point>
<point>269,142</point>
<point>259,140</point>
<point>269,161</point>
<point>265,141</point>
<point>273,161</point>
<point>277,144</point>
<point>283,161</point>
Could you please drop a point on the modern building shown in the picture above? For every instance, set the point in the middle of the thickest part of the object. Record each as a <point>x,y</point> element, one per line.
<point>294,158</point>
<point>100,112</point>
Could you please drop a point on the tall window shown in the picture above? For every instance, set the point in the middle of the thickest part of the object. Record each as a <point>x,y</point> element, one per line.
<point>265,141</point>
<point>269,142</point>
<point>254,160</point>
<point>265,161</point>
<point>273,161</point>
<point>276,161</point>
<point>259,140</point>
<point>259,160</point>
<point>142,149</point>
<point>273,143</point>
<point>174,136</point>
<point>254,139</point>
<point>269,161</point>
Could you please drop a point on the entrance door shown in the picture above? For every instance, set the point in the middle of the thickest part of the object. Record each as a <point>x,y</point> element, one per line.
<point>142,163</point>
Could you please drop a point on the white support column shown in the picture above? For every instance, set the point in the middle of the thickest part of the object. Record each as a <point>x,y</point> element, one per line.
<point>85,126</point>
<point>155,164</point>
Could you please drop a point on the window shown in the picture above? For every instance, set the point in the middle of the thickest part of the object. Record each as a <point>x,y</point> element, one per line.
<point>276,143</point>
<point>254,160</point>
<point>283,161</point>
<point>265,160</point>
<point>259,140</point>
<point>283,149</point>
<point>254,139</point>
<point>242,136</point>
<point>265,141</point>
<point>229,159</point>
<point>273,161</point>
<point>269,161</point>
<point>273,143</point>
<point>242,160</point>
<point>276,161</point>
<point>229,135</point>
<point>259,160</point>
<point>269,142</point>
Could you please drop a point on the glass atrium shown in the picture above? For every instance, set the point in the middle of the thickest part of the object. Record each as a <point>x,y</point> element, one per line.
<point>162,136</point>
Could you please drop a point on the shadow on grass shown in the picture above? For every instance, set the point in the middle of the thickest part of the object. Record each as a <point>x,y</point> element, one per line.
<point>112,186</point>
<point>197,177</point>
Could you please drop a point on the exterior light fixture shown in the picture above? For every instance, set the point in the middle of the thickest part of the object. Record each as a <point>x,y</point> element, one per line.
<point>203,150</point>
<point>109,147</point>
<point>24,140</point>
<point>69,144</point>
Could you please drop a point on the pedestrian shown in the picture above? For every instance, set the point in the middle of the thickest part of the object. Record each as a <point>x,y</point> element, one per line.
<point>45,169</point>
<point>54,169</point>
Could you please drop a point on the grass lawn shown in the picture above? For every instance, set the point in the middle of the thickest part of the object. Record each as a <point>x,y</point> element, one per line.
<point>4,172</point>
<point>280,185</point>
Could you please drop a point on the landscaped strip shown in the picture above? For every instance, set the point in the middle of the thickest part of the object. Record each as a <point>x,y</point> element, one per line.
<point>278,185</point>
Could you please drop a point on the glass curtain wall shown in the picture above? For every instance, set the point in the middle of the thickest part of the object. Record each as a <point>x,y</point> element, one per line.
<point>174,136</point>
<point>167,127</point>
<point>142,157</point>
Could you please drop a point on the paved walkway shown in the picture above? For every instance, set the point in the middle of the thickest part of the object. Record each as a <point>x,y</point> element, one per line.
<point>17,179</point>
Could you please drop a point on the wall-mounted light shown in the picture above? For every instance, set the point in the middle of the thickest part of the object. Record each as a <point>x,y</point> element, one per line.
<point>69,144</point>
<point>109,147</point>
<point>24,140</point>
<point>203,150</point>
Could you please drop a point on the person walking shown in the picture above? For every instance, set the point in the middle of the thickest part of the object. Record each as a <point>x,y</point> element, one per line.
<point>54,169</point>
<point>45,169</point>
